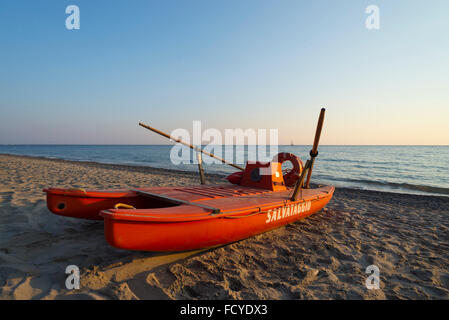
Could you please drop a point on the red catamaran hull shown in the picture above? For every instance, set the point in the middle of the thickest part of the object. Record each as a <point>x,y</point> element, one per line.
<point>87,204</point>
<point>185,218</point>
<point>188,227</point>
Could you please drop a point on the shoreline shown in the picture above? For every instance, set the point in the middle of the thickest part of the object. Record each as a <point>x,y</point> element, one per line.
<point>128,167</point>
<point>321,257</point>
<point>214,176</point>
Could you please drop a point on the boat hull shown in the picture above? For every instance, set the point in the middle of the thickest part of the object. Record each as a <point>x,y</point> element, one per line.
<point>87,204</point>
<point>124,231</point>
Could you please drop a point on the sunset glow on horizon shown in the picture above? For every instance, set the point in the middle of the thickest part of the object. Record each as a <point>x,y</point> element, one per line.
<point>229,64</point>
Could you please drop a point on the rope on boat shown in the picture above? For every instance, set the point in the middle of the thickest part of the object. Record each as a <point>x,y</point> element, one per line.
<point>123,206</point>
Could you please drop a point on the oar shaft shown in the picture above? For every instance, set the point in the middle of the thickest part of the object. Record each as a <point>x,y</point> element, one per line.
<point>309,164</point>
<point>189,145</point>
<point>200,167</point>
<point>319,127</point>
<point>316,141</point>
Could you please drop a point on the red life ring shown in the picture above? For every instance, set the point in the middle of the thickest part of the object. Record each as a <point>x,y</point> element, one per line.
<point>290,175</point>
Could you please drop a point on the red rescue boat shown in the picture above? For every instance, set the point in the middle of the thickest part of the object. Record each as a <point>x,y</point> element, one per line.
<point>260,198</point>
<point>213,216</point>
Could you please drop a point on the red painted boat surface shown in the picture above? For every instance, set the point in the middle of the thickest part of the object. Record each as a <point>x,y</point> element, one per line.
<point>87,204</point>
<point>259,199</point>
<point>194,217</point>
<point>156,224</point>
<point>244,212</point>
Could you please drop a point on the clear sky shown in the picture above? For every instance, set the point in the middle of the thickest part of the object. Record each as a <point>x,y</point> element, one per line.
<point>231,64</point>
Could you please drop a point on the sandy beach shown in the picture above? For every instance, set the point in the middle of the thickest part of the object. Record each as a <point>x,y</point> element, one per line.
<point>321,257</point>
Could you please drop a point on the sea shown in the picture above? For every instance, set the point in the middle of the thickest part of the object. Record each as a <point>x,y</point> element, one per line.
<point>422,170</point>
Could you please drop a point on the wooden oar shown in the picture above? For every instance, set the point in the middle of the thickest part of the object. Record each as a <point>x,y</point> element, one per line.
<point>190,146</point>
<point>200,167</point>
<point>313,154</point>
<point>316,141</point>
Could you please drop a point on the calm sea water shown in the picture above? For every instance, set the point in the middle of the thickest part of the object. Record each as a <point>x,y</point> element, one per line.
<point>405,169</point>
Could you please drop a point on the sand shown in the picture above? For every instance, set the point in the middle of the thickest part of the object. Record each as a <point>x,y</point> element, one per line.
<point>322,257</point>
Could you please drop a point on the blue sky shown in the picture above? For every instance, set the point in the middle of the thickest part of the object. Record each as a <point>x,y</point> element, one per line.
<point>230,64</point>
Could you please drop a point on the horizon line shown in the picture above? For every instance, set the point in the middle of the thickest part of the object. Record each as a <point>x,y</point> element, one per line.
<point>158,144</point>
